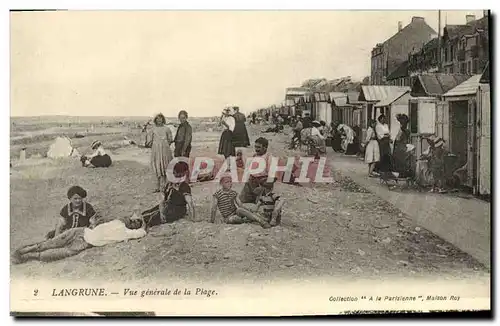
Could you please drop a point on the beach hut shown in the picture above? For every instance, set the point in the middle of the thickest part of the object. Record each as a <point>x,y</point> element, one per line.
<point>370,95</point>
<point>484,137</point>
<point>321,107</point>
<point>463,126</point>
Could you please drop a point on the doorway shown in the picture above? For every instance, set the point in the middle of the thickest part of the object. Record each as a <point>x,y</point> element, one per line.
<point>459,130</point>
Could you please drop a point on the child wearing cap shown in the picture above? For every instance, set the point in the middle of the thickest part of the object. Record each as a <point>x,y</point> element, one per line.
<point>77,213</point>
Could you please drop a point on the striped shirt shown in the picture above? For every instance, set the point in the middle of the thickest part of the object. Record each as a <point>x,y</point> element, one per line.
<point>267,203</point>
<point>226,202</point>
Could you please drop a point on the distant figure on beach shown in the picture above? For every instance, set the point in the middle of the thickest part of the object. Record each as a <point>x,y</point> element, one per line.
<point>226,145</point>
<point>161,154</point>
<point>77,213</point>
<point>240,134</point>
<point>98,159</point>
<point>73,241</point>
<point>183,136</point>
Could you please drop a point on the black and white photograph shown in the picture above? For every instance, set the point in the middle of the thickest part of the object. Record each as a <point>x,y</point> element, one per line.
<point>250,163</point>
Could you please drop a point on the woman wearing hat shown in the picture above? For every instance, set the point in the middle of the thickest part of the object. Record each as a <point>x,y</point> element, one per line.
<point>226,145</point>
<point>98,159</point>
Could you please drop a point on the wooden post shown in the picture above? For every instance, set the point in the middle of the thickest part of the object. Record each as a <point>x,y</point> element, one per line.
<point>22,154</point>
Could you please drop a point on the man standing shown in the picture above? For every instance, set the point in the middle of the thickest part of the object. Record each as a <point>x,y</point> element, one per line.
<point>248,194</point>
<point>240,134</point>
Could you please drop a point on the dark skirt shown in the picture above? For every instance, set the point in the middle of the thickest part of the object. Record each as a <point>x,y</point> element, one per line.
<point>400,157</point>
<point>385,164</point>
<point>226,146</point>
<point>101,161</point>
<point>152,216</point>
<point>178,150</point>
<point>240,135</point>
<point>337,144</point>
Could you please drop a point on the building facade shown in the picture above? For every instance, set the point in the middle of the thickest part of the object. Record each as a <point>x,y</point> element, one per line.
<point>465,48</point>
<point>386,57</point>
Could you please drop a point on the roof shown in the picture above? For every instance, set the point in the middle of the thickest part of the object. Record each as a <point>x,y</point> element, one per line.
<point>401,71</point>
<point>376,93</point>
<point>468,87</point>
<point>485,77</point>
<point>454,31</point>
<point>416,26</point>
<point>438,84</point>
<point>339,99</point>
<point>296,90</point>
<point>393,97</point>
<point>352,97</point>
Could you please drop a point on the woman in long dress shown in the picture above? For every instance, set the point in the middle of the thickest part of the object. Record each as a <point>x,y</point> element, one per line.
<point>226,144</point>
<point>400,153</point>
<point>240,134</point>
<point>372,152</point>
<point>161,154</point>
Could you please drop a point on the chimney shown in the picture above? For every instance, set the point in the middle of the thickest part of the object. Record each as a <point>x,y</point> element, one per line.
<point>400,26</point>
<point>470,18</point>
<point>417,19</point>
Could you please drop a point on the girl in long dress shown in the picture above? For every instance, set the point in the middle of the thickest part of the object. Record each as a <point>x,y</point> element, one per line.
<point>161,154</point>
<point>372,152</point>
<point>226,144</point>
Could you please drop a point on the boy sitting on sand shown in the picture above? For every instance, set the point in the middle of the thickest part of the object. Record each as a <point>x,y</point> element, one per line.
<point>267,209</point>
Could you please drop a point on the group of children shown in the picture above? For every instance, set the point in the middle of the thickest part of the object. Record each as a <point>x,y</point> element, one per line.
<point>79,226</point>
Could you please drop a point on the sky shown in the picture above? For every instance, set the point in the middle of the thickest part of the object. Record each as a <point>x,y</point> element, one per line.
<point>138,63</point>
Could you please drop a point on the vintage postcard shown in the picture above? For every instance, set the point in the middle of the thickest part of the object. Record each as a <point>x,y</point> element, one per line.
<point>249,163</point>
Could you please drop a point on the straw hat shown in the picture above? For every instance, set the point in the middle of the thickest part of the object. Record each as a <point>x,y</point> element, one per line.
<point>95,144</point>
<point>439,142</point>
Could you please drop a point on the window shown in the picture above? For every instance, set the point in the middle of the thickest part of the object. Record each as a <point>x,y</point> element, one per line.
<point>463,68</point>
<point>469,68</point>
<point>474,66</point>
<point>451,69</point>
<point>446,54</point>
<point>413,117</point>
<point>452,52</point>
